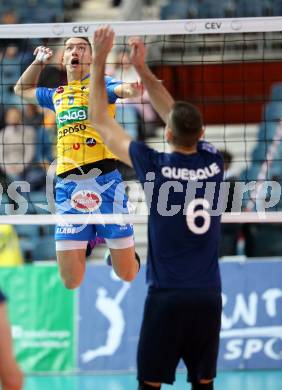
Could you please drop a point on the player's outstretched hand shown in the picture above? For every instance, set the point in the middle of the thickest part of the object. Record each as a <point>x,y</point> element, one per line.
<point>137,89</point>
<point>42,55</point>
<point>103,41</point>
<point>138,52</point>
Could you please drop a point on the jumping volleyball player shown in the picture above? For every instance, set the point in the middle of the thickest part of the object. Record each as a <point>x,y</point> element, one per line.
<point>85,165</point>
<point>183,306</point>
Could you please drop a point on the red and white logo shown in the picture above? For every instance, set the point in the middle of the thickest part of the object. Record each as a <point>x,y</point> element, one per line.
<point>86,201</point>
<point>76,146</point>
<point>60,90</point>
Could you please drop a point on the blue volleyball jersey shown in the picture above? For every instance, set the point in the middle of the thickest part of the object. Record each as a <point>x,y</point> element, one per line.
<point>182,234</point>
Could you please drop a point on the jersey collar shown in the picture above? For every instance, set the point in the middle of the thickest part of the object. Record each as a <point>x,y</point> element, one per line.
<point>86,77</point>
<point>79,81</point>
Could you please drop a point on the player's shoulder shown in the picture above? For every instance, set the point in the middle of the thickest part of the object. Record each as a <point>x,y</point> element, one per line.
<point>140,150</point>
<point>46,92</point>
<point>60,89</point>
<point>45,96</point>
<point>43,87</point>
<point>111,80</point>
<point>204,146</point>
<point>140,146</point>
<point>210,153</point>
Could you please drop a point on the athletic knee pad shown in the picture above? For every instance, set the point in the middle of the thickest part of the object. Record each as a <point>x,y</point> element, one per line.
<point>202,386</point>
<point>145,386</point>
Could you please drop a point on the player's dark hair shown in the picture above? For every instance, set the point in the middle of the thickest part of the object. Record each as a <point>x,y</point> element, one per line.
<point>186,124</point>
<point>84,38</point>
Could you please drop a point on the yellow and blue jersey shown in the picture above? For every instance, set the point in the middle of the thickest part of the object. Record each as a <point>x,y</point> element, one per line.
<point>78,143</point>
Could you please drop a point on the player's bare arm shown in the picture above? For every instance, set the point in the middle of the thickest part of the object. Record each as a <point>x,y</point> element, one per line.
<point>112,133</point>
<point>160,98</point>
<point>27,83</point>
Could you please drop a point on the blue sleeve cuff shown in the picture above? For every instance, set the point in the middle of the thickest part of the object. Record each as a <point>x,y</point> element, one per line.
<point>44,97</point>
<point>111,84</point>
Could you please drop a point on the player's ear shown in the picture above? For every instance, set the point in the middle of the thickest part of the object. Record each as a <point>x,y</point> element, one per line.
<point>60,58</point>
<point>202,133</point>
<point>168,134</point>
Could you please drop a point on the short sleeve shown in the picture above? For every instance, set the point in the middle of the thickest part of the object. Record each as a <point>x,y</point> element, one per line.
<point>111,84</point>
<point>44,97</point>
<point>206,146</point>
<point>144,159</point>
<point>212,151</point>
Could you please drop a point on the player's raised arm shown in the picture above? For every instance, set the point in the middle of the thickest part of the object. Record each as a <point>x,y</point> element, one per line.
<point>111,132</point>
<point>160,98</point>
<point>27,83</point>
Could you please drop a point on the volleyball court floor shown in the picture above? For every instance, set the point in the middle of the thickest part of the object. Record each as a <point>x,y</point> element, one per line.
<point>233,380</point>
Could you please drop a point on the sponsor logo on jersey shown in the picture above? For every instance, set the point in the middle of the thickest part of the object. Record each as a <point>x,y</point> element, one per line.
<point>76,146</point>
<point>60,90</point>
<point>67,149</point>
<point>86,201</point>
<point>65,229</point>
<point>191,174</point>
<point>70,100</point>
<point>75,114</point>
<point>71,129</point>
<point>90,142</point>
<point>58,102</point>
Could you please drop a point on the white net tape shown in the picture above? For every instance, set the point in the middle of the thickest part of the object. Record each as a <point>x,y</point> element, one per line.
<point>160,27</point>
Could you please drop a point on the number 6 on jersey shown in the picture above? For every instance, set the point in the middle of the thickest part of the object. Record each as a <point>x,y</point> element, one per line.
<point>192,214</point>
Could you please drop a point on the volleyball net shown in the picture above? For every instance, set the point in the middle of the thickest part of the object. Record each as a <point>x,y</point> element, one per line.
<point>229,68</point>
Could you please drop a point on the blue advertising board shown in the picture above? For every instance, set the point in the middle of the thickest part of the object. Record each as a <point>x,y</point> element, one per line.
<point>110,314</point>
<point>251,330</point>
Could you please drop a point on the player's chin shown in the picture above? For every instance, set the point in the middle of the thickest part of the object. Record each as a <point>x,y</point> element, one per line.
<point>74,67</point>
